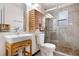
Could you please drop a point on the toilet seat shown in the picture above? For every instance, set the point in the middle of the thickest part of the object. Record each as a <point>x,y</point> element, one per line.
<point>49,45</point>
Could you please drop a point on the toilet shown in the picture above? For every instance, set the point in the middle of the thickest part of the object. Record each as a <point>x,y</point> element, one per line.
<point>46,49</point>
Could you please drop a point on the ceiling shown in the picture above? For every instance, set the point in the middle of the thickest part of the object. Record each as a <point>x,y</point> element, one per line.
<point>49,5</point>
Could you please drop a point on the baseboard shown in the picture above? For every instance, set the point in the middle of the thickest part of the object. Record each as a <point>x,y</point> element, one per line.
<point>58,53</point>
<point>36,53</point>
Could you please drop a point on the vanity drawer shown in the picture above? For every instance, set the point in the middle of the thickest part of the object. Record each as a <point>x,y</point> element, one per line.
<point>21,44</point>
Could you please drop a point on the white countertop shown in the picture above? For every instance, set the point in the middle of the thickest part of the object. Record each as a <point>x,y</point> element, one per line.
<point>17,37</point>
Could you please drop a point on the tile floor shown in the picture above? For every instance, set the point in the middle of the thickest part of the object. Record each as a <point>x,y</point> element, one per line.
<point>56,53</point>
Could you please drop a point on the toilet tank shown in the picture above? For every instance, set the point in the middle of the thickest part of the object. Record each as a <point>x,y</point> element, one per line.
<point>42,37</point>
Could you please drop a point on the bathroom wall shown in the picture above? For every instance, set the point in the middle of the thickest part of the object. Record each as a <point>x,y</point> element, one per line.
<point>67,38</point>
<point>13,15</point>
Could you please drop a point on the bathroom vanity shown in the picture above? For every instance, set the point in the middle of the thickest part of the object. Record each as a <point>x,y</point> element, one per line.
<point>3,41</point>
<point>14,43</point>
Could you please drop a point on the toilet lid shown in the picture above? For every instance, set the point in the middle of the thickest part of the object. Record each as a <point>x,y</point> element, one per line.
<point>49,45</point>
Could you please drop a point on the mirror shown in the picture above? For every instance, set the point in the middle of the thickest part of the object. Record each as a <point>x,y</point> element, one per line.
<point>12,17</point>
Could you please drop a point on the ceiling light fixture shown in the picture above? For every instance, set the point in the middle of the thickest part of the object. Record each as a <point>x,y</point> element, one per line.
<point>48,15</point>
<point>36,5</point>
<point>29,4</point>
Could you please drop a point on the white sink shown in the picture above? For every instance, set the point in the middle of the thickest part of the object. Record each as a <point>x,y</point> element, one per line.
<point>17,38</point>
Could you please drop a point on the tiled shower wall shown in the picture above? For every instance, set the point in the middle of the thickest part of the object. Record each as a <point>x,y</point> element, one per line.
<point>65,38</point>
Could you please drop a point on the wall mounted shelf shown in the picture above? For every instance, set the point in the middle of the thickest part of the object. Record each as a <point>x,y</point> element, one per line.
<point>4,27</point>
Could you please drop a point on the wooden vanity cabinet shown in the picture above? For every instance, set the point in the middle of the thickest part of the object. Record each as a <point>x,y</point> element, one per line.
<point>12,48</point>
<point>35,20</point>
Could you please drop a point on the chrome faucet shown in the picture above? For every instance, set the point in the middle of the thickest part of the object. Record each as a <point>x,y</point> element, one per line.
<point>16,29</point>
